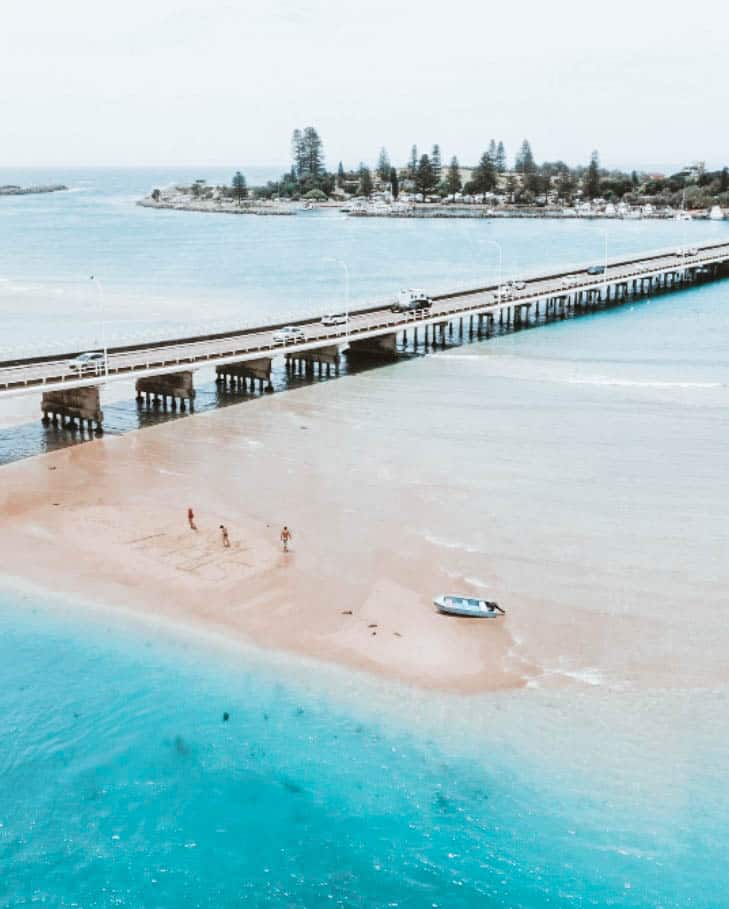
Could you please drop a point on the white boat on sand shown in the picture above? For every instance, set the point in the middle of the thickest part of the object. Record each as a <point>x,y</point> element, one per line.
<point>452,604</point>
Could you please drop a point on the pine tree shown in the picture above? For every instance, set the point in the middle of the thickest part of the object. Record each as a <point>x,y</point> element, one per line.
<point>383,165</point>
<point>484,176</point>
<point>435,163</point>
<point>500,160</point>
<point>340,175</point>
<point>591,180</point>
<point>453,178</point>
<point>313,154</point>
<point>413,166</point>
<point>365,181</point>
<point>424,177</point>
<point>239,186</point>
<point>492,151</point>
<point>724,180</point>
<point>394,183</point>
<point>525,160</point>
<point>298,153</point>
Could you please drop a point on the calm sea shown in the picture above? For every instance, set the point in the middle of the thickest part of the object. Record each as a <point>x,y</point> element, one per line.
<point>585,459</point>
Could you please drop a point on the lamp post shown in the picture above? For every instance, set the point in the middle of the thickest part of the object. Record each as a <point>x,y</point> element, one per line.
<point>346,292</point>
<point>100,287</point>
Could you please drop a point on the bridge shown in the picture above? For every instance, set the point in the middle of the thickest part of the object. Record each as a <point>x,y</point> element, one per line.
<point>164,369</point>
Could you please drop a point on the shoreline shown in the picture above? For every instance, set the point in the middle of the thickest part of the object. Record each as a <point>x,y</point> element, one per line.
<point>65,516</point>
<point>105,522</point>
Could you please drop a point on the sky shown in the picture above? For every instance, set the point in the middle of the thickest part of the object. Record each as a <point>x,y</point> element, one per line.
<point>208,82</point>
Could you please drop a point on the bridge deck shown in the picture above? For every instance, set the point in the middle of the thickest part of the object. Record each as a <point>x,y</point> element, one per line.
<point>48,373</point>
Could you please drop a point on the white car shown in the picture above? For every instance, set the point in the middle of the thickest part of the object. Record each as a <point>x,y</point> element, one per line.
<point>569,281</point>
<point>506,290</point>
<point>518,285</point>
<point>289,334</point>
<point>90,362</point>
<point>335,319</point>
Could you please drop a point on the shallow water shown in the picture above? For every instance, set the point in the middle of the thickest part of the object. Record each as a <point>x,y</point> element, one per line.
<point>121,784</point>
<point>580,464</point>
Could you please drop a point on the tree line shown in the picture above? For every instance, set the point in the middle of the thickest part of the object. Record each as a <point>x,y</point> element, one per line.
<point>526,182</point>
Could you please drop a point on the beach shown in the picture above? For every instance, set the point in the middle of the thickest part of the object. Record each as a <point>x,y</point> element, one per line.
<point>184,724</point>
<point>106,522</point>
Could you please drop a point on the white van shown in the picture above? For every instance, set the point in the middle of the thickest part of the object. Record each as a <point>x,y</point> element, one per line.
<point>409,299</point>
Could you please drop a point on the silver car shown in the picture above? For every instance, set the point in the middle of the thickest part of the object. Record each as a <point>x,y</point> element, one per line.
<point>90,362</point>
<point>289,334</point>
<point>335,319</point>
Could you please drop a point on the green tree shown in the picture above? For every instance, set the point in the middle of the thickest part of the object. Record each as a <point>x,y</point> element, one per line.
<point>240,190</point>
<point>340,175</point>
<point>298,154</point>
<point>383,166</point>
<point>565,186</point>
<point>724,180</point>
<point>315,195</point>
<point>483,179</point>
<point>493,151</point>
<point>525,163</point>
<point>413,165</point>
<point>500,160</point>
<point>365,181</point>
<point>313,154</point>
<point>436,164</point>
<point>453,177</point>
<point>394,183</point>
<point>425,181</point>
<point>591,180</point>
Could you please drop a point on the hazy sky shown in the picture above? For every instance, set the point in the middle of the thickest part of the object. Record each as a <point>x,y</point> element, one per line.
<point>224,82</point>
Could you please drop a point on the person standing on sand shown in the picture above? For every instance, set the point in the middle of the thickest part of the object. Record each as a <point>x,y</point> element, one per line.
<point>224,535</point>
<point>191,519</point>
<point>285,537</point>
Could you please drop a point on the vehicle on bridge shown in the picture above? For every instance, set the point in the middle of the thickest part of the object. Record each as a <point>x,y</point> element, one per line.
<point>289,334</point>
<point>335,319</point>
<point>569,280</point>
<point>409,299</point>
<point>596,270</point>
<point>90,362</point>
<point>518,284</point>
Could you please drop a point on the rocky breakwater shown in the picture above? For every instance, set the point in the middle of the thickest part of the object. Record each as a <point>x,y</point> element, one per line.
<point>12,190</point>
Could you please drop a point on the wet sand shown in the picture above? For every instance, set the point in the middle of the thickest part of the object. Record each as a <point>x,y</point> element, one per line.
<point>106,522</point>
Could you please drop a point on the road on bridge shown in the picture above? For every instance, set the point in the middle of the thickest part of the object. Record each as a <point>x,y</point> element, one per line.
<point>23,376</point>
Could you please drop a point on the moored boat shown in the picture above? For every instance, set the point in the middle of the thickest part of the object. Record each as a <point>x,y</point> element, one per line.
<point>452,604</point>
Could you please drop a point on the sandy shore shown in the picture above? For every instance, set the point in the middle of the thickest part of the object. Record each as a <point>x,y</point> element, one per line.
<point>106,521</point>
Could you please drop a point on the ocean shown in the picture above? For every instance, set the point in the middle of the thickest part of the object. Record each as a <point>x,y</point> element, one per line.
<point>578,468</point>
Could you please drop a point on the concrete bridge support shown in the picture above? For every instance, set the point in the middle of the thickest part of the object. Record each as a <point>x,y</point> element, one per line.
<point>321,359</point>
<point>237,374</point>
<point>177,386</point>
<point>381,346</point>
<point>82,404</point>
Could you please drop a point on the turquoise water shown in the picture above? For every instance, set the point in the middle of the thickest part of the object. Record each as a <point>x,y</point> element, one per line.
<point>586,458</point>
<point>167,272</point>
<point>121,785</point>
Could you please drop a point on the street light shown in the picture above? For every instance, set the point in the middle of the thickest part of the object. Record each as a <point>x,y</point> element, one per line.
<point>99,285</point>
<point>346,292</point>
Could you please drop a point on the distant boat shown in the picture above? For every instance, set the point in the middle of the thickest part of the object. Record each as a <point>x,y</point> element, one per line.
<point>683,216</point>
<point>716,214</point>
<point>467,606</point>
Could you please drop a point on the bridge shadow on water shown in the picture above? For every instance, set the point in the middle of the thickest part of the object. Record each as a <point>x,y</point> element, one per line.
<point>30,439</point>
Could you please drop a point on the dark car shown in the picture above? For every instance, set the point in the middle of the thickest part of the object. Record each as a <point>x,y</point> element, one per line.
<point>596,270</point>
